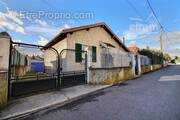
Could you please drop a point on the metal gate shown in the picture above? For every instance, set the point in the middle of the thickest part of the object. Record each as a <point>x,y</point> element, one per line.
<point>27,71</point>
<point>34,68</point>
<point>73,71</point>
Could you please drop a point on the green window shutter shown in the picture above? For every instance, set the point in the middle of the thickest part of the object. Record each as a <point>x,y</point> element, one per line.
<point>93,54</point>
<point>78,52</point>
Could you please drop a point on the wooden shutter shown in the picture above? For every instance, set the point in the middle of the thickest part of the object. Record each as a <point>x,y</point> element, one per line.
<point>93,54</point>
<point>78,52</point>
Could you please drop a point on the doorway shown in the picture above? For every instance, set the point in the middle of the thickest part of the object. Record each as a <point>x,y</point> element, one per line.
<point>137,65</point>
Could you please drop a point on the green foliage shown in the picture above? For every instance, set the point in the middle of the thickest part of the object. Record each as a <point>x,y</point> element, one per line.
<point>166,57</point>
<point>178,59</point>
<point>155,56</point>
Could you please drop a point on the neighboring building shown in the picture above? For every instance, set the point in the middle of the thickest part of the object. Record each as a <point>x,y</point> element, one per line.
<point>37,64</point>
<point>20,64</point>
<point>97,39</point>
<point>133,49</point>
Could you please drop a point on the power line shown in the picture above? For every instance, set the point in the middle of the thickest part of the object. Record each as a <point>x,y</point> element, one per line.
<point>154,14</point>
<point>134,8</point>
<point>161,26</point>
<point>55,8</point>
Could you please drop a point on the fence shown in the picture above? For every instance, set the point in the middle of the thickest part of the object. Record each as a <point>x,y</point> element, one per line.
<point>145,60</point>
<point>115,60</point>
<point>27,71</point>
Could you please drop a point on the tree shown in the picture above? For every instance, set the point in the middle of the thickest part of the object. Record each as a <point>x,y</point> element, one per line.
<point>166,57</point>
<point>155,56</point>
<point>176,57</point>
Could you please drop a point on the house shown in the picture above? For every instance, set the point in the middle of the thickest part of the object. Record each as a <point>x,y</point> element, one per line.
<point>20,63</point>
<point>97,39</point>
<point>133,49</point>
<point>37,64</point>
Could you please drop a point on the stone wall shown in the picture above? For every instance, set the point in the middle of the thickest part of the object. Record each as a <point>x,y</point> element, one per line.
<point>109,76</point>
<point>149,68</point>
<point>3,88</point>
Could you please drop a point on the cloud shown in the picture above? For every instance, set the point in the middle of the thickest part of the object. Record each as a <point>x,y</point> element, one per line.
<point>170,39</point>
<point>11,21</point>
<point>4,5</point>
<point>173,37</point>
<point>136,19</point>
<point>66,26</point>
<point>173,52</point>
<point>140,30</point>
<point>46,30</point>
<point>14,16</point>
<point>131,43</point>
<point>171,42</point>
<point>17,40</point>
<point>42,41</point>
<point>41,22</point>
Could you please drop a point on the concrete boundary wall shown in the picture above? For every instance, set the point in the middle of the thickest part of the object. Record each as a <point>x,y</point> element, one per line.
<point>109,76</point>
<point>149,68</point>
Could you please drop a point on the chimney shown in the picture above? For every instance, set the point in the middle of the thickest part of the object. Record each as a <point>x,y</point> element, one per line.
<point>123,40</point>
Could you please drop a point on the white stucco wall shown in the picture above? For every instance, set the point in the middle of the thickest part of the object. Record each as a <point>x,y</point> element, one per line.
<point>91,37</point>
<point>50,56</point>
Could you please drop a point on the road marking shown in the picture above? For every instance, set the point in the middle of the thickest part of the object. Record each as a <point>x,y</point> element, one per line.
<point>170,78</point>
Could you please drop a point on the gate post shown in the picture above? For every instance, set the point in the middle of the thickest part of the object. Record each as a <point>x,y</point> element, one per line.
<point>86,67</point>
<point>139,64</point>
<point>5,45</point>
<point>59,66</point>
<point>133,62</point>
<point>59,72</point>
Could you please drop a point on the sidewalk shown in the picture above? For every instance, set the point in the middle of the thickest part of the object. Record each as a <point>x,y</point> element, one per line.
<point>24,106</point>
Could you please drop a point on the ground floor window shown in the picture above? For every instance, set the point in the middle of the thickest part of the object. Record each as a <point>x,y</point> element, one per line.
<point>80,56</point>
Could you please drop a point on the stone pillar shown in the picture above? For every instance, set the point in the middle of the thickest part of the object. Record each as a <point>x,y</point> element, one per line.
<point>133,63</point>
<point>3,88</point>
<point>139,64</point>
<point>5,41</point>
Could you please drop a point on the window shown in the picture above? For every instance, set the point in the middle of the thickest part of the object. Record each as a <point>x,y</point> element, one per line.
<point>80,56</point>
<point>78,53</point>
<point>93,54</point>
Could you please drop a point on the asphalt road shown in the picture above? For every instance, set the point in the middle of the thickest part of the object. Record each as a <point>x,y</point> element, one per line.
<point>154,96</point>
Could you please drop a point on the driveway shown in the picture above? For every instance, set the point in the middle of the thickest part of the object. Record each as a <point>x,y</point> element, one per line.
<point>153,96</point>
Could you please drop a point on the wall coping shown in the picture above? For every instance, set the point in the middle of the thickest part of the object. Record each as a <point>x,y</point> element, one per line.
<point>149,65</point>
<point>3,72</point>
<point>107,68</point>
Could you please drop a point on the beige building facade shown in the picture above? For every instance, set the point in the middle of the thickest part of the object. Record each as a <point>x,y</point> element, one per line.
<point>96,39</point>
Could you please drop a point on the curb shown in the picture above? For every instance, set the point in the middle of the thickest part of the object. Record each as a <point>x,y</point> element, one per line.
<point>51,107</point>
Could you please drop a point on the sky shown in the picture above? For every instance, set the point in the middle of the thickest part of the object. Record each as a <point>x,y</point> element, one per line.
<point>38,21</point>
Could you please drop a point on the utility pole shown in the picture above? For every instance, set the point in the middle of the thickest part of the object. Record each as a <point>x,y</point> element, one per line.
<point>161,41</point>
<point>161,45</point>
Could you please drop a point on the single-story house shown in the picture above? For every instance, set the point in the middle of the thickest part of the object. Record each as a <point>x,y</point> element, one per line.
<point>133,48</point>
<point>108,59</point>
<point>98,39</point>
